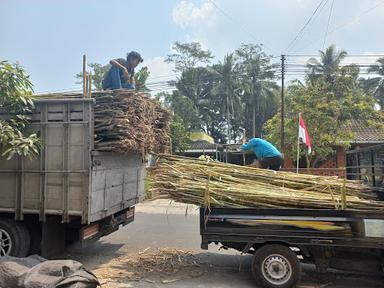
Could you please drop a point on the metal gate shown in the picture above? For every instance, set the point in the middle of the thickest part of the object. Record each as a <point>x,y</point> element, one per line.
<point>366,164</point>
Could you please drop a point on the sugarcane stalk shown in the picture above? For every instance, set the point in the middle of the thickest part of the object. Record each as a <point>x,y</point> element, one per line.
<point>188,180</point>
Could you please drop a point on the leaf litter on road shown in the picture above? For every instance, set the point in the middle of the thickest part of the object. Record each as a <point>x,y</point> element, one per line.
<point>166,265</point>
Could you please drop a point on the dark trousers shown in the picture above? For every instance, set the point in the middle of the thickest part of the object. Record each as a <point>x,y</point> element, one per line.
<point>272,163</point>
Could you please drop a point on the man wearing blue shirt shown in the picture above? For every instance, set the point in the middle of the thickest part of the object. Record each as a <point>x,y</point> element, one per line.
<point>267,154</point>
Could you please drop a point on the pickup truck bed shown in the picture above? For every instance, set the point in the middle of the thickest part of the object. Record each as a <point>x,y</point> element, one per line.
<point>281,238</point>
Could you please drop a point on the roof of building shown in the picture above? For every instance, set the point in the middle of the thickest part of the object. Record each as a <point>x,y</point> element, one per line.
<point>201,136</point>
<point>365,133</point>
<point>202,145</point>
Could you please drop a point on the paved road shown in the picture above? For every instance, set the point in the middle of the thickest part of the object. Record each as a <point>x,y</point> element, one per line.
<point>159,225</point>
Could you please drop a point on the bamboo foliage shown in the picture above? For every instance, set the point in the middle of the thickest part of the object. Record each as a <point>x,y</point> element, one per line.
<point>218,184</point>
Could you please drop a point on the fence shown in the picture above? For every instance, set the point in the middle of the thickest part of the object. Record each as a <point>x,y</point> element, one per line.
<point>366,164</point>
<point>339,172</point>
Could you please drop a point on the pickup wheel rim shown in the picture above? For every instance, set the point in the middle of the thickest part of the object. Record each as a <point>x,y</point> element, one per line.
<point>276,269</point>
<point>5,243</point>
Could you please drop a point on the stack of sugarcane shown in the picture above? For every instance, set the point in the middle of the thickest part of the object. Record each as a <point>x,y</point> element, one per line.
<point>129,121</point>
<point>218,184</point>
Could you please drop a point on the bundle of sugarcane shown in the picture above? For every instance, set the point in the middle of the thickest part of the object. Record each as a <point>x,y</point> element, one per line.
<point>218,184</point>
<point>129,121</point>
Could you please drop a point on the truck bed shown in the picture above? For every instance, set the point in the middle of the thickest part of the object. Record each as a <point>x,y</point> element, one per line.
<point>68,178</point>
<point>343,228</point>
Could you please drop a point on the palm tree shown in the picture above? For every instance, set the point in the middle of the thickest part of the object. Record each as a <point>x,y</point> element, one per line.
<point>376,85</point>
<point>259,86</point>
<point>227,88</point>
<point>329,64</point>
<point>196,84</point>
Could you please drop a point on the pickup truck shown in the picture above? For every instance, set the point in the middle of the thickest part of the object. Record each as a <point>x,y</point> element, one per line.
<point>280,239</point>
<point>69,193</point>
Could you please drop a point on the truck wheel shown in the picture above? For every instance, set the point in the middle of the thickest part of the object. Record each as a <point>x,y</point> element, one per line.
<point>14,238</point>
<point>25,237</point>
<point>276,266</point>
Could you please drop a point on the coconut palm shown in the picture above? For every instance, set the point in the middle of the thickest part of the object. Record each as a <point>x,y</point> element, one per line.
<point>376,85</point>
<point>227,89</point>
<point>329,64</point>
<point>259,86</point>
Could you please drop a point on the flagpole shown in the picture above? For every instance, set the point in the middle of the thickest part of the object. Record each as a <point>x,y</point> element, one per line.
<point>298,147</point>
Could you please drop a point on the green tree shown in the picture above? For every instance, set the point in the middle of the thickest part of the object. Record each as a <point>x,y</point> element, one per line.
<point>327,108</point>
<point>179,134</point>
<point>329,64</point>
<point>375,86</point>
<point>98,73</point>
<point>260,88</point>
<point>16,100</point>
<point>228,90</point>
<point>141,78</point>
<point>183,107</point>
<point>194,86</point>
<point>188,55</point>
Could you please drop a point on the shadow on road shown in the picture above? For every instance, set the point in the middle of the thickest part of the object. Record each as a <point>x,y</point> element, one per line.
<point>94,255</point>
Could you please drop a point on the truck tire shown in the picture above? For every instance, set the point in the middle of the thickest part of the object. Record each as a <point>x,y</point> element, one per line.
<point>25,237</point>
<point>14,238</point>
<point>276,266</point>
<point>35,233</point>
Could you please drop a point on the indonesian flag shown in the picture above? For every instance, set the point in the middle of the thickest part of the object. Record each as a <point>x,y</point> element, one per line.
<point>303,134</point>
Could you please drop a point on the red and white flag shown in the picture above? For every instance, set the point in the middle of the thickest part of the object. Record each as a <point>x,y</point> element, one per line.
<point>303,134</point>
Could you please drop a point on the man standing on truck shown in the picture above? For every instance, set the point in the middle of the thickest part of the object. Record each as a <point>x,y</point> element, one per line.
<point>122,72</point>
<point>268,156</point>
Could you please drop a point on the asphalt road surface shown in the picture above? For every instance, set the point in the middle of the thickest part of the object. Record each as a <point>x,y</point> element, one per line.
<point>159,224</point>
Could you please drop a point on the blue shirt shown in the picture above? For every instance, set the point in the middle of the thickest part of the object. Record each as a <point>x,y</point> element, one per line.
<point>262,148</point>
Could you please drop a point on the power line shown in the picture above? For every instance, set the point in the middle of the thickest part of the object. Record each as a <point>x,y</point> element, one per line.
<point>229,17</point>
<point>358,17</point>
<point>329,19</point>
<point>305,25</point>
<point>349,55</point>
<point>165,76</point>
<point>348,22</point>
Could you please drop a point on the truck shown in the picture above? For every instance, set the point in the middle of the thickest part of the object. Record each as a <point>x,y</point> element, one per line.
<point>69,193</point>
<point>281,239</point>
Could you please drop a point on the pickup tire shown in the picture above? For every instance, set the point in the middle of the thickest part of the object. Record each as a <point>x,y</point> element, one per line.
<point>14,238</point>
<point>276,266</point>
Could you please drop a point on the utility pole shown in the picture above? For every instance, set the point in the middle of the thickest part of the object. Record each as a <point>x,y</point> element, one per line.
<point>282,143</point>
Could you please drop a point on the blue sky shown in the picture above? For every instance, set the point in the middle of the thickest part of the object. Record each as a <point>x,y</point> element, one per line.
<point>49,37</point>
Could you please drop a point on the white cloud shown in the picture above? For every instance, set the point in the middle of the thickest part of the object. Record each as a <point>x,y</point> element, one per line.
<point>186,14</point>
<point>368,60</point>
<point>255,21</point>
<point>159,68</point>
<point>160,73</point>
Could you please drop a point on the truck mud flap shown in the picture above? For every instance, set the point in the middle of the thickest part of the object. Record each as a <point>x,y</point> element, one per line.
<point>92,232</point>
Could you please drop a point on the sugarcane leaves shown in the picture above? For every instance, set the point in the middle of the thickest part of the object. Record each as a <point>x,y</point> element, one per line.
<point>16,102</point>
